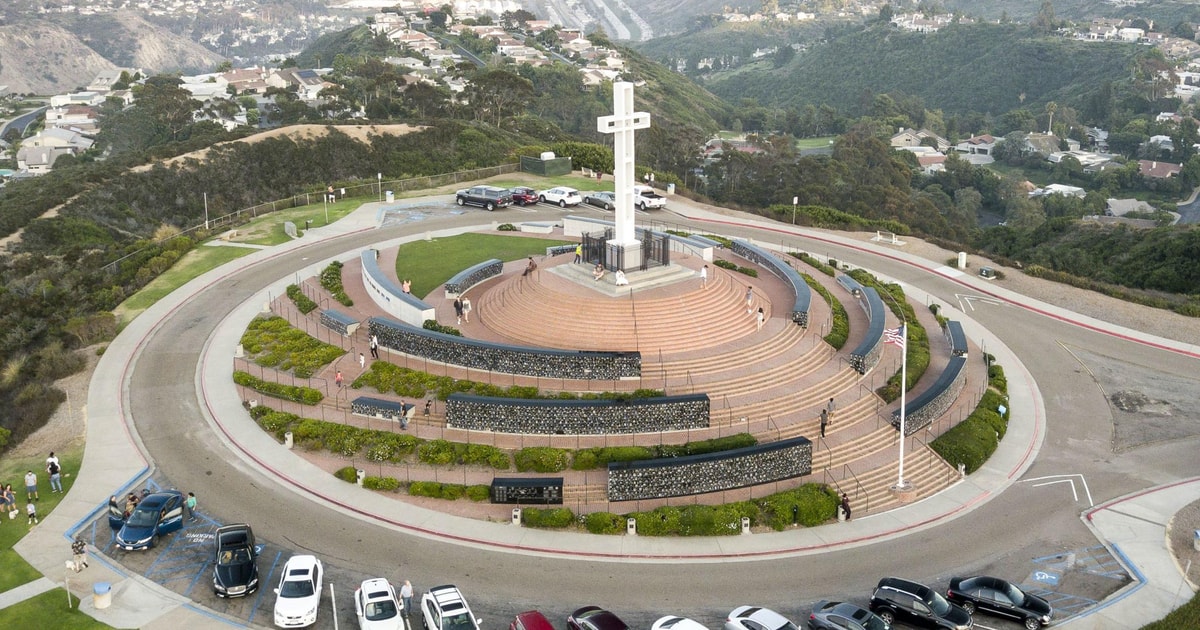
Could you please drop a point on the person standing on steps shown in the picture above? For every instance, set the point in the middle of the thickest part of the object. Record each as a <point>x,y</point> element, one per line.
<point>578,253</point>
<point>846,506</point>
<point>374,347</point>
<point>762,317</point>
<point>831,407</point>
<point>704,277</point>
<point>362,361</point>
<point>824,421</point>
<point>337,378</point>
<point>749,299</point>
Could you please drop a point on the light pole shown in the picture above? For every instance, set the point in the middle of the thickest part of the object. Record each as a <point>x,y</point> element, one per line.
<point>379,176</point>
<point>205,212</point>
<point>326,198</point>
<point>795,200</point>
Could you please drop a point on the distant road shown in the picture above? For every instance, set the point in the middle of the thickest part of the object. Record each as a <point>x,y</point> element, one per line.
<point>22,122</point>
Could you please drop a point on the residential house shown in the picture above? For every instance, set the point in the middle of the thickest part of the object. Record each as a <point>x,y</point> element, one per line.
<point>913,138</point>
<point>1046,143</point>
<point>58,137</point>
<point>78,98</point>
<point>1130,34</point>
<point>1059,189</point>
<point>1158,170</point>
<point>106,79</point>
<point>78,118</point>
<point>1122,207</point>
<point>982,144</point>
<point>307,82</point>
<point>247,80</point>
<point>414,40</point>
<point>1098,138</point>
<point>39,160</point>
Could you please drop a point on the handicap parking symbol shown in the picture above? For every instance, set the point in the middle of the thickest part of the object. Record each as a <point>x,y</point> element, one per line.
<point>1049,578</point>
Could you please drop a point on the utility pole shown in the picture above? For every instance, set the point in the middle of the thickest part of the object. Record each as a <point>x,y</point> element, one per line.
<point>206,212</point>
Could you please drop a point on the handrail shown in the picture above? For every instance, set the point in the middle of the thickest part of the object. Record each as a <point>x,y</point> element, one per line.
<point>821,441</point>
<point>858,484</point>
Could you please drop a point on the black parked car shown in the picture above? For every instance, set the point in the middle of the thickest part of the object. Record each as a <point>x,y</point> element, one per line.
<point>917,604</point>
<point>595,618</point>
<point>1001,598</point>
<point>489,197</point>
<point>235,570</point>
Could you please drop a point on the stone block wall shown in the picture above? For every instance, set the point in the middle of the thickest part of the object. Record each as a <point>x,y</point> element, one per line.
<point>785,272</point>
<point>934,402</point>
<point>867,354</point>
<point>483,355</point>
<point>712,472</point>
<point>579,417</point>
<point>472,276</point>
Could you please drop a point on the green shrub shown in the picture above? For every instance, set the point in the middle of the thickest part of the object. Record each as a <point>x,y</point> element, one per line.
<point>431,324</point>
<point>384,446</point>
<point>814,504</point>
<point>331,280</point>
<point>839,332</point>
<point>436,452</point>
<point>542,459</point>
<point>347,473</point>
<point>445,491</point>
<point>506,227</point>
<point>425,489</point>
<point>272,342</point>
<point>969,443</point>
<point>725,264</point>
<point>604,523</point>
<point>388,484</point>
<point>600,456</point>
<point>551,518</point>
<point>479,492</point>
<point>816,264</point>
<point>294,393</point>
<point>303,303</point>
<point>701,447</point>
<point>996,377</point>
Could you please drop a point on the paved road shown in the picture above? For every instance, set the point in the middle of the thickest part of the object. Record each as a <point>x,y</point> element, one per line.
<point>1025,522</point>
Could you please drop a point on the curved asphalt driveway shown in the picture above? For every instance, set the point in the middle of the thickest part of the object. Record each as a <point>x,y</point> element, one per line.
<point>171,422</point>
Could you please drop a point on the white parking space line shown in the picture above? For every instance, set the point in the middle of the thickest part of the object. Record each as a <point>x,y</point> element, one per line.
<point>1064,479</point>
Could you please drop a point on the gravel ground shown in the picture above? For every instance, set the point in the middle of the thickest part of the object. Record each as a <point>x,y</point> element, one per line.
<point>1180,532</point>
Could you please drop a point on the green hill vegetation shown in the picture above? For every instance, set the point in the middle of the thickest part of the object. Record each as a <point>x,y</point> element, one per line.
<point>962,68</point>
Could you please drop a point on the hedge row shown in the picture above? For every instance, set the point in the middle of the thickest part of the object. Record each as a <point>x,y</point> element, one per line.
<point>1190,308</point>
<point>387,378</point>
<point>345,440</point>
<point>448,491</point>
<point>814,504</point>
<point>431,324</point>
<point>839,332</point>
<point>302,302</point>
<point>294,393</point>
<point>601,456</point>
<point>442,452</point>
<point>273,342</point>
<point>816,264</point>
<point>973,440</point>
<point>331,280</point>
<point>725,264</point>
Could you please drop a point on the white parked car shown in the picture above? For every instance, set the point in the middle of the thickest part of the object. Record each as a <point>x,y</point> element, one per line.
<point>757,618</point>
<point>445,608</point>
<point>299,592</point>
<point>377,606</point>
<point>562,196</point>
<point>673,622</point>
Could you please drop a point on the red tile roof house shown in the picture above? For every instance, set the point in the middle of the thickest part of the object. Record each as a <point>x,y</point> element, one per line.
<point>1158,170</point>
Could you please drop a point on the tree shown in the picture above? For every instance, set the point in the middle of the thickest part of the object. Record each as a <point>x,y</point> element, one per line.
<point>784,55</point>
<point>886,13</point>
<point>1051,107</point>
<point>496,93</point>
<point>1044,22</point>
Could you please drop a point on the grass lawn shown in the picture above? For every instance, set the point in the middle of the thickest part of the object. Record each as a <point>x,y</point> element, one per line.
<point>193,264</point>
<point>431,263</point>
<point>48,610</point>
<point>1186,617</point>
<point>814,143</point>
<point>268,229</point>
<point>14,571</point>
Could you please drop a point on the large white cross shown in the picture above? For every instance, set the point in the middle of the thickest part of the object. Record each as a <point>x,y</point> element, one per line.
<point>621,125</point>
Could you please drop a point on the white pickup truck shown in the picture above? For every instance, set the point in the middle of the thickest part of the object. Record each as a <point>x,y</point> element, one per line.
<point>645,198</point>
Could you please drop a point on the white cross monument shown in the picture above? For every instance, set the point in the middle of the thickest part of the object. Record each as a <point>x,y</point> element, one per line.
<point>621,125</point>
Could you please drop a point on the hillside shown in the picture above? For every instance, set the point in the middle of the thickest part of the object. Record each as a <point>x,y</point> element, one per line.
<point>59,54</point>
<point>984,68</point>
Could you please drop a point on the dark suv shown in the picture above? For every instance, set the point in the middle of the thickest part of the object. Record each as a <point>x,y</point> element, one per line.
<point>895,598</point>
<point>490,197</point>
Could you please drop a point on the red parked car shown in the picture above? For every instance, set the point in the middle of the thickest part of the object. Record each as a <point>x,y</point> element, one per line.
<point>531,620</point>
<point>523,196</point>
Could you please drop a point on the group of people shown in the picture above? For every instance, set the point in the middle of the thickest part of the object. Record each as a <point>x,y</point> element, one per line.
<point>8,498</point>
<point>462,309</point>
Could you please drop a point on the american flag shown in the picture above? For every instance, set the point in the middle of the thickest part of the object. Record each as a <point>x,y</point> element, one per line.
<point>895,336</point>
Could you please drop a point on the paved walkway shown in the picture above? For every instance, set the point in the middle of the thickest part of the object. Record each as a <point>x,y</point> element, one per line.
<point>113,460</point>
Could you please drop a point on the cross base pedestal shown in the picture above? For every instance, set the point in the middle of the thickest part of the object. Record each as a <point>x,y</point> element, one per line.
<point>630,257</point>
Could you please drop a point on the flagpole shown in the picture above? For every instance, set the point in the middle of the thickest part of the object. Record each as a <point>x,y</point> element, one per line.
<point>903,387</point>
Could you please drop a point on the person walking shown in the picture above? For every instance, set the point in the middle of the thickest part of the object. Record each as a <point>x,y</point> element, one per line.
<point>579,253</point>
<point>846,506</point>
<point>704,277</point>
<point>406,595</point>
<point>467,309</point>
<point>362,361</point>
<point>31,510</point>
<point>54,469</point>
<point>831,407</point>
<point>458,310</point>
<point>79,554</point>
<point>337,378</point>
<point>31,493</point>
<point>762,317</point>
<point>374,347</point>
<point>406,286</point>
<point>749,299</point>
<point>190,504</point>
<point>824,421</point>
<point>6,505</point>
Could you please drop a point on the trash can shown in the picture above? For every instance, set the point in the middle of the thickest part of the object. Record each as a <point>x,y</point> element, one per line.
<point>390,196</point>
<point>101,595</point>
<point>670,189</point>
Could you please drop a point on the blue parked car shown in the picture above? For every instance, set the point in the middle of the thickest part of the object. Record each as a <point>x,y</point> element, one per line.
<point>157,514</point>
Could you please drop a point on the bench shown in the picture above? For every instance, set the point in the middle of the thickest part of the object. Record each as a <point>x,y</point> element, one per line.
<point>472,276</point>
<point>538,227</point>
<point>867,354</point>
<point>785,272</point>
<point>558,250</point>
